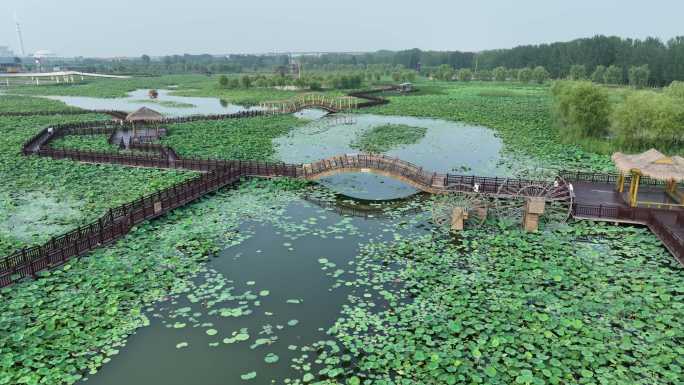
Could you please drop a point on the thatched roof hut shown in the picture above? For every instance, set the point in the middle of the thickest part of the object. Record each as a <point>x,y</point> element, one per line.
<point>653,164</point>
<point>144,114</point>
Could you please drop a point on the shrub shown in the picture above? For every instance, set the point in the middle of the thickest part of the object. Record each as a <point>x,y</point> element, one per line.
<point>444,72</point>
<point>581,108</point>
<point>649,119</point>
<point>675,90</point>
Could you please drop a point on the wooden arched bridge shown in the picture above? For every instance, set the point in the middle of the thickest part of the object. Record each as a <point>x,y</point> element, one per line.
<point>592,196</point>
<point>330,104</point>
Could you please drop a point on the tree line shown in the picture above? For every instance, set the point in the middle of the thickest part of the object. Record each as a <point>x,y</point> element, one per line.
<point>640,119</point>
<point>665,60</point>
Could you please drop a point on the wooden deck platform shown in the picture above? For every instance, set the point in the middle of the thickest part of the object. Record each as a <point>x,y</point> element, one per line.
<point>600,201</point>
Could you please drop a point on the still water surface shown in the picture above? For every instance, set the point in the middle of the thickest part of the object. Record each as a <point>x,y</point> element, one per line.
<point>167,104</point>
<point>289,269</point>
<point>448,147</point>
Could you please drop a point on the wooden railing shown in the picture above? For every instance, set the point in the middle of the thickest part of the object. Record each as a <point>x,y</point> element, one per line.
<point>607,178</point>
<point>368,161</point>
<point>111,226</point>
<point>652,218</point>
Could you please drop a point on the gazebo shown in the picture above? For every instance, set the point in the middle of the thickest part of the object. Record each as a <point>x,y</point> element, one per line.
<point>654,165</point>
<point>145,115</point>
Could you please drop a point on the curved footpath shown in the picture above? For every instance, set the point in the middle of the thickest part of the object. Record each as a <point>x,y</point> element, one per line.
<point>668,225</point>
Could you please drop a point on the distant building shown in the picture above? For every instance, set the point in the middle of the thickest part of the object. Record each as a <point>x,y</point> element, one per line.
<point>9,65</point>
<point>5,51</point>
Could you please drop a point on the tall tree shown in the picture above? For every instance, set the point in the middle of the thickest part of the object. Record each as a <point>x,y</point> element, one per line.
<point>525,75</point>
<point>599,74</point>
<point>613,75</point>
<point>578,72</point>
<point>500,74</point>
<point>465,74</point>
<point>638,76</point>
<point>540,74</point>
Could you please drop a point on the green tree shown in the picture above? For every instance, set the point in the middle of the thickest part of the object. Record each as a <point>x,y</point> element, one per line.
<point>223,81</point>
<point>396,76</point>
<point>540,74</point>
<point>500,74</point>
<point>638,76</point>
<point>581,108</point>
<point>444,72</point>
<point>578,72</point>
<point>245,81</point>
<point>465,75</point>
<point>613,75</point>
<point>525,75</point>
<point>599,74</point>
<point>146,59</point>
<point>484,75</point>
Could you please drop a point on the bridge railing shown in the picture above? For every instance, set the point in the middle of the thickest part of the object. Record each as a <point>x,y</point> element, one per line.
<point>370,161</point>
<point>607,178</point>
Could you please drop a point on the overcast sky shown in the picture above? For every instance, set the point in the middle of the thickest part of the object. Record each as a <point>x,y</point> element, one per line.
<point>160,27</point>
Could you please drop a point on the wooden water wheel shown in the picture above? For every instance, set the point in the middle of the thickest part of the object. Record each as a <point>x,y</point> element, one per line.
<point>510,200</point>
<point>472,205</point>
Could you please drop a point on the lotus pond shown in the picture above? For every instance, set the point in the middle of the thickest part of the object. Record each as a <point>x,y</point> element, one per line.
<point>267,283</point>
<point>280,281</point>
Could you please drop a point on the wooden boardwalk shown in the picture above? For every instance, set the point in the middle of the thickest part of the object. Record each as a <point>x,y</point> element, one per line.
<point>600,201</point>
<point>593,196</point>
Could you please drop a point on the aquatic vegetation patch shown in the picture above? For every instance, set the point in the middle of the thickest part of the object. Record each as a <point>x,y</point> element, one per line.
<point>585,303</point>
<point>76,316</point>
<point>249,138</point>
<point>388,137</point>
<point>85,142</point>
<point>27,218</point>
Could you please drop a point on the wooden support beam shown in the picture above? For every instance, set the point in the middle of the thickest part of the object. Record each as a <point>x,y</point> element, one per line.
<point>534,207</point>
<point>458,217</point>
